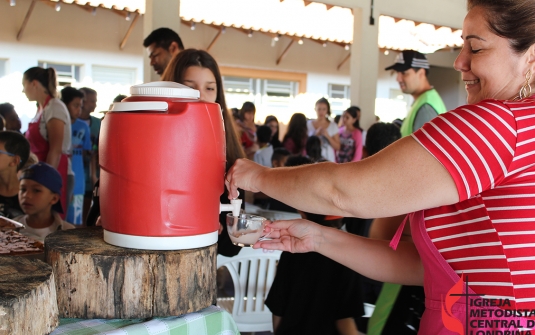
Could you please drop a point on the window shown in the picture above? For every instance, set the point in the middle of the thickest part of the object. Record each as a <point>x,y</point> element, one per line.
<point>114,75</point>
<point>238,85</point>
<point>3,67</point>
<point>66,73</point>
<point>339,98</point>
<point>339,91</point>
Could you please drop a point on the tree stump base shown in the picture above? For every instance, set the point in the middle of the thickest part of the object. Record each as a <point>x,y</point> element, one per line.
<point>98,280</point>
<point>27,297</point>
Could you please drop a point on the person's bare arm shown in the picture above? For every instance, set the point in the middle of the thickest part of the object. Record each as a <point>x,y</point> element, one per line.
<point>93,164</point>
<point>371,258</point>
<point>54,129</point>
<point>334,141</point>
<point>347,326</point>
<point>402,178</point>
<point>276,322</point>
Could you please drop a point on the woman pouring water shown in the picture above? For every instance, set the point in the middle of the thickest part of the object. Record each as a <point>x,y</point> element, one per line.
<point>467,178</point>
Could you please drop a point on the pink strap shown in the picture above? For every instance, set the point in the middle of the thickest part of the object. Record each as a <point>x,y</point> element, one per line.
<point>397,236</point>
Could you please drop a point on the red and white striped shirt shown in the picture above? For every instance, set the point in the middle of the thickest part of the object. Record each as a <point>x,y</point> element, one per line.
<point>489,150</point>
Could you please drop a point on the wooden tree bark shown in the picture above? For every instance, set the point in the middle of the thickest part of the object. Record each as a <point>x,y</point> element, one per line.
<point>97,280</point>
<point>27,297</point>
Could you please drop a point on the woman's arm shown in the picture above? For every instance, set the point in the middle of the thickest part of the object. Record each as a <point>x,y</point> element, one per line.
<point>276,322</point>
<point>334,141</point>
<point>347,326</point>
<point>402,178</point>
<point>371,258</point>
<point>54,129</point>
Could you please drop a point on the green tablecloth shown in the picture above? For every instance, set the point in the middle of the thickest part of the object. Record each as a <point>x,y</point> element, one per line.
<point>209,321</point>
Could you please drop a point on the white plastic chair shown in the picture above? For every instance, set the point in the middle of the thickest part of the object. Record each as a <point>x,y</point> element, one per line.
<point>252,272</point>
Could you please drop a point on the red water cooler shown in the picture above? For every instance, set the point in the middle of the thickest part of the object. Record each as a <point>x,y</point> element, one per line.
<point>162,165</point>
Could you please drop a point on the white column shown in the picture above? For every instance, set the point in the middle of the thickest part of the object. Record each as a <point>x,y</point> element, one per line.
<point>158,14</point>
<point>364,63</point>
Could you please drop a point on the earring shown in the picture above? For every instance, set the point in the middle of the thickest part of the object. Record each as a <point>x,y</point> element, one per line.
<point>525,91</point>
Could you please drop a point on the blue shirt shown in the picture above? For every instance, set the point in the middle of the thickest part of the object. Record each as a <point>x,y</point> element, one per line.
<point>81,140</point>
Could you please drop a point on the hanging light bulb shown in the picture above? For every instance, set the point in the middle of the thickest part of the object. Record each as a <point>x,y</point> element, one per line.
<point>223,30</point>
<point>128,18</point>
<point>346,47</point>
<point>12,3</point>
<point>58,7</point>
<point>250,34</point>
<point>324,44</point>
<point>300,42</point>
<point>193,26</point>
<point>276,38</point>
<point>94,12</point>
<point>386,52</point>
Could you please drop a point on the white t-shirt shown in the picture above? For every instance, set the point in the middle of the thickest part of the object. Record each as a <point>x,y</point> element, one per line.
<point>39,234</point>
<point>56,109</point>
<point>327,151</point>
<point>263,156</point>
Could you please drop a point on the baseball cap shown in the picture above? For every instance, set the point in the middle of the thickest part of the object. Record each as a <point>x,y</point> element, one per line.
<point>409,59</point>
<point>47,176</point>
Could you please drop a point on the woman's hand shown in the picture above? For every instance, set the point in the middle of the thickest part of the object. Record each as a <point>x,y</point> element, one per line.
<point>320,131</point>
<point>243,174</point>
<point>296,236</point>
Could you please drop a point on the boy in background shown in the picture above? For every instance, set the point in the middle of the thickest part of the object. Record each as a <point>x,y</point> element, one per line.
<point>81,145</point>
<point>279,157</point>
<point>263,155</point>
<point>14,152</point>
<point>39,194</point>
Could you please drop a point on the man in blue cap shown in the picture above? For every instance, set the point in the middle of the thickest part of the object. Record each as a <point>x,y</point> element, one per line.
<point>39,195</point>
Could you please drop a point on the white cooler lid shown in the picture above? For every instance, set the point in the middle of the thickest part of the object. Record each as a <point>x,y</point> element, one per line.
<point>164,89</point>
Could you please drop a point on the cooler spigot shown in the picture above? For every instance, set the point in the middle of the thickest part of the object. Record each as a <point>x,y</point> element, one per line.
<point>234,207</point>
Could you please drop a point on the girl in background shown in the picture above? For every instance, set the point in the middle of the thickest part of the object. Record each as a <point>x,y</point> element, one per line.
<point>325,129</point>
<point>198,70</point>
<point>296,136</point>
<point>350,137</point>
<point>49,132</point>
<point>273,123</point>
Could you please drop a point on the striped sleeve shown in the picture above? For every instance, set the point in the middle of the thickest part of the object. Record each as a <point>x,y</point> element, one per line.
<point>475,143</point>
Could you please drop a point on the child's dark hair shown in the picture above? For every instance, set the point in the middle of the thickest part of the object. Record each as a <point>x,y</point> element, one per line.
<point>313,148</point>
<point>380,135</point>
<point>69,93</point>
<point>325,101</point>
<point>263,134</point>
<point>354,111</point>
<point>279,154</point>
<point>15,143</point>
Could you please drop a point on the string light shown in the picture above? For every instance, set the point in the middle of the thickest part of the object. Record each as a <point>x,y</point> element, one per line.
<point>193,26</point>
<point>346,47</point>
<point>250,34</point>
<point>12,3</point>
<point>94,12</point>
<point>127,18</point>
<point>300,42</point>
<point>58,7</point>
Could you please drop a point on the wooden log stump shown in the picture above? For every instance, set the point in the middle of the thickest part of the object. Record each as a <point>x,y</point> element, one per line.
<point>98,280</point>
<point>27,297</point>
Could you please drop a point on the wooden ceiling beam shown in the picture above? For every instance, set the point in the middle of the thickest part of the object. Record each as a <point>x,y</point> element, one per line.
<point>129,31</point>
<point>26,19</point>
<point>216,37</point>
<point>285,52</point>
<point>343,61</point>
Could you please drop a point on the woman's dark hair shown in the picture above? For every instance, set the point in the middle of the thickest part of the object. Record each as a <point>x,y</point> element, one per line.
<point>313,148</point>
<point>247,107</point>
<point>354,111</point>
<point>297,131</point>
<point>511,19</point>
<point>68,94</point>
<point>325,101</point>
<point>46,77</point>
<point>175,72</point>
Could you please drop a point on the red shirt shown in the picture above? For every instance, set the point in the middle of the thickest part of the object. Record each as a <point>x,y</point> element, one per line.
<point>489,150</point>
